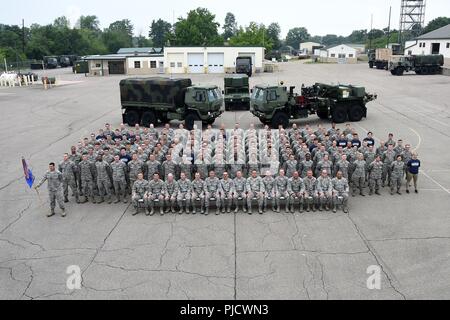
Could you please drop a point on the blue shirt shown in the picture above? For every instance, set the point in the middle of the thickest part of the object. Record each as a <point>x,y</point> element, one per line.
<point>413,166</point>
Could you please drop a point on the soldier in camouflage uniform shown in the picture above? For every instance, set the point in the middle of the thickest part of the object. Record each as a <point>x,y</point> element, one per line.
<point>155,192</point>
<point>324,190</point>
<point>76,158</point>
<point>212,185</point>
<point>87,177</point>
<point>240,184</point>
<point>139,193</point>
<point>170,193</point>
<point>343,166</point>
<point>135,167</point>
<point>198,193</point>
<point>54,180</point>
<point>398,171</point>
<point>296,190</point>
<point>290,166</point>
<point>359,175</point>
<point>68,170</point>
<point>255,191</point>
<point>388,158</point>
<point>103,170</point>
<point>152,166</point>
<point>169,167</point>
<point>282,183</point>
<point>226,192</point>
<point>184,193</point>
<point>306,165</point>
<point>186,167</point>
<point>270,190</point>
<point>311,195</point>
<point>340,190</point>
<point>376,173</point>
<point>119,172</point>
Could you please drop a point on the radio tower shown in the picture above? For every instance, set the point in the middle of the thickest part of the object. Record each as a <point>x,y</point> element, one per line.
<point>412,19</point>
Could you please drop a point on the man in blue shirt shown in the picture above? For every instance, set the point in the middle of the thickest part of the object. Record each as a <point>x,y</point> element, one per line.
<point>369,139</point>
<point>412,173</point>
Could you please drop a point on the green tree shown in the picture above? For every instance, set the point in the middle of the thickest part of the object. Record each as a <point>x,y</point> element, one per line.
<point>436,24</point>
<point>357,36</point>
<point>118,35</point>
<point>253,35</point>
<point>296,36</point>
<point>160,31</point>
<point>230,26</point>
<point>273,33</point>
<point>90,23</point>
<point>61,23</point>
<point>199,28</point>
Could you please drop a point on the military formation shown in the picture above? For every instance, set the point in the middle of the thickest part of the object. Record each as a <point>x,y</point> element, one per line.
<point>181,171</point>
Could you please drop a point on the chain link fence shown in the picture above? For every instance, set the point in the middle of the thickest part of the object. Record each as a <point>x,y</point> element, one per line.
<point>20,66</point>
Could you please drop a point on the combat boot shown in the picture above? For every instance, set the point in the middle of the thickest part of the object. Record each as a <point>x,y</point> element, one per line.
<point>63,213</point>
<point>260,210</point>
<point>51,213</point>
<point>66,199</point>
<point>181,210</point>
<point>378,192</point>
<point>273,208</point>
<point>244,208</point>
<point>125,199</point>
<point>117,200</point>
<point>370,192</point>
<point>136,211</point>
<point>102,199</point>
<point>207,211</point>
<point>278,209</point>
<point>321,207</point>
<point>77,199</point>
<point>334,208</point>
<point>361,193</point>
<point>188,210</point>
<point>229,208</point>
<point>85,199</point>
<point>94,200</point>
<point>237,209</point>
<point>217,211</point>
<point>314,207</point>
<point>327,207</point>
<point>308,207</point>
<point>161,211</point>
<point>301,208</point>
<point>345,209</point>
<point>109,200</point>
<point>172,208</point>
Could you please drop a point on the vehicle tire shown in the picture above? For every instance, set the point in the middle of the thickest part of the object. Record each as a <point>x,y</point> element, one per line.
<point>323,115</point>
<point>132,117</point>
<point>400,71</point>
<point>189,121</point>
<point>393,72</point>
<point>371,64</point>
<point>148,118</point>
<point>355,113</point>
<point>339,114</point>
<point>280,118</point>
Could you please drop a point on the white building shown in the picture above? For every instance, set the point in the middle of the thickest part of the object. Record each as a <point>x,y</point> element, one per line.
<point>209,59</point>
<point>342,54</point>
<point>434,42</point>
<point>309,47</point>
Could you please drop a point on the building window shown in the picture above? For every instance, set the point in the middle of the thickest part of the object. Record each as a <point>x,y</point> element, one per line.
<point>152,64</point>
<point>333,55</point>
<point>98,65</point>
<point>448,45</point>
<point>409,52</point>
<point>137,64</point>
<point>350,55</point>
<point>179,65</point>
<point>172,64</point>
<point>341,55</point>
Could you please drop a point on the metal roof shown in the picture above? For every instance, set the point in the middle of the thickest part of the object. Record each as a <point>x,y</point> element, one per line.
<point>441,33</point>
<point>144,50</point>
<point>119,56</point>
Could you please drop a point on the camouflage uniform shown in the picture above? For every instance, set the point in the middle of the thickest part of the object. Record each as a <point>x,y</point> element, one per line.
<point>324,165</point>
<point>212,186</point>
<point>169,167</point>
<point>359,176</point>
<point>344,167</point>
<point>296,188</point>
<point>388,158</point>
<point>155,192</point>
<point>184,193</point>
<point>398,170</point>
<point>87,177</point>
<point>76,158</point>
<point>239,192</point>
<point>311,196</point>
<point>306,165</point>
<point>282,191</point>
<point>376,173</point>
<point>170,194</point>
<point>198,192</point>
<point>255,190</point>
<point>54,186</point>
<point>340,189</point>
<point>325,187</point>
<point>226,191</point>
<point>290,167</point>
<point>119,172</point>
<point>103,181</point>
<point>270,192</point>
<point>186,167</point>
<point>68,170</point>
<point>152,167</point>
<point>134,168</point>
<point>138,193</point>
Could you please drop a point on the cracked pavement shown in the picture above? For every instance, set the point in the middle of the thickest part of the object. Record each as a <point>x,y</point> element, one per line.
<point>273,256</point>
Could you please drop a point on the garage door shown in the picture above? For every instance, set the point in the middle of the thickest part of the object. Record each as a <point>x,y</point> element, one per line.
<point>196,62</point>
<point>175,62</point>
<point>116,67</point>
<point>215,63</point>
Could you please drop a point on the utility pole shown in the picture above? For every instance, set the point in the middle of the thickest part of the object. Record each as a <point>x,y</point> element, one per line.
<point>389,28</point>
<point>370,33</point>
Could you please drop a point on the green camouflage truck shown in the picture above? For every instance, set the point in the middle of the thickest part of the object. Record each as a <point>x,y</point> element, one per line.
<point>275,105</point>
<point>149,100</point>
<point>420,64</point>
<point>236,92</point>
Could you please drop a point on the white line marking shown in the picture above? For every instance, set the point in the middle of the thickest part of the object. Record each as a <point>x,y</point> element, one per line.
<point>435,182</point>
<point>418,136</point>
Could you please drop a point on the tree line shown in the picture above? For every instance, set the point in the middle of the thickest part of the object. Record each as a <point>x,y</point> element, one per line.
<point>198,28</point>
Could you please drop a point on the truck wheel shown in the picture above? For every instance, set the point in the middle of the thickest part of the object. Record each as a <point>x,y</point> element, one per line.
<point>400,71</point>
<point>371,64</point>
<point>280,118</point>
<point>132,118</point>
<point>323,115</point>
<point>355,113</point>
<point>190,119</point>
<point>148,118</point>
<point>339,114</point>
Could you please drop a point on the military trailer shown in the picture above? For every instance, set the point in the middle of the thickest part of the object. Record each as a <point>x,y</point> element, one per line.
<point>276,105</point>
<point>148,100</point>
<point>244,65</point>
<point>236,92</point>
<point>379,58</point>
<point>421,64</point>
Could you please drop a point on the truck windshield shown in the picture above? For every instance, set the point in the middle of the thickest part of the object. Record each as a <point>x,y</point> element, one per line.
<point>258,94</point>
<point>213,95</point>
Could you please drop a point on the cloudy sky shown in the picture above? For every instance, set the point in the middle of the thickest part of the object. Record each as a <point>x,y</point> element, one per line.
<point>320,17</point>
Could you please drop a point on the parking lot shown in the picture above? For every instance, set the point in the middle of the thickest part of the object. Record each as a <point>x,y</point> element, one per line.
<point>272,256</point>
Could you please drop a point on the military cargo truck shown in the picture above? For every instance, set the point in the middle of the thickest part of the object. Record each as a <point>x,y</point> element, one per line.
<point>149,100</point>
<point>64,61</point>
<point>421,64</point>
<point>244,65</point>
<point>379,58</point>
<point>50,62</point>
<point>237,92</point>
<point>275,105</point>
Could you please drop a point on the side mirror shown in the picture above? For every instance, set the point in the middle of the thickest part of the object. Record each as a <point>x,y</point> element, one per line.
<point>223,92</point>
<point>251,90</point>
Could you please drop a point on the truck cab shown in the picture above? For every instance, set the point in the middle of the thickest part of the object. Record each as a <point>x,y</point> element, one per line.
<point>244,65</point>
<point>204,103</point>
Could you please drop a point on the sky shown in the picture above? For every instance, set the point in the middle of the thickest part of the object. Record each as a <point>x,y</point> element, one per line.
<point>319,17</point>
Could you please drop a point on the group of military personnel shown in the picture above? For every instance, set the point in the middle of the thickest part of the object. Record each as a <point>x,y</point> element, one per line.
<point>304,168</point>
